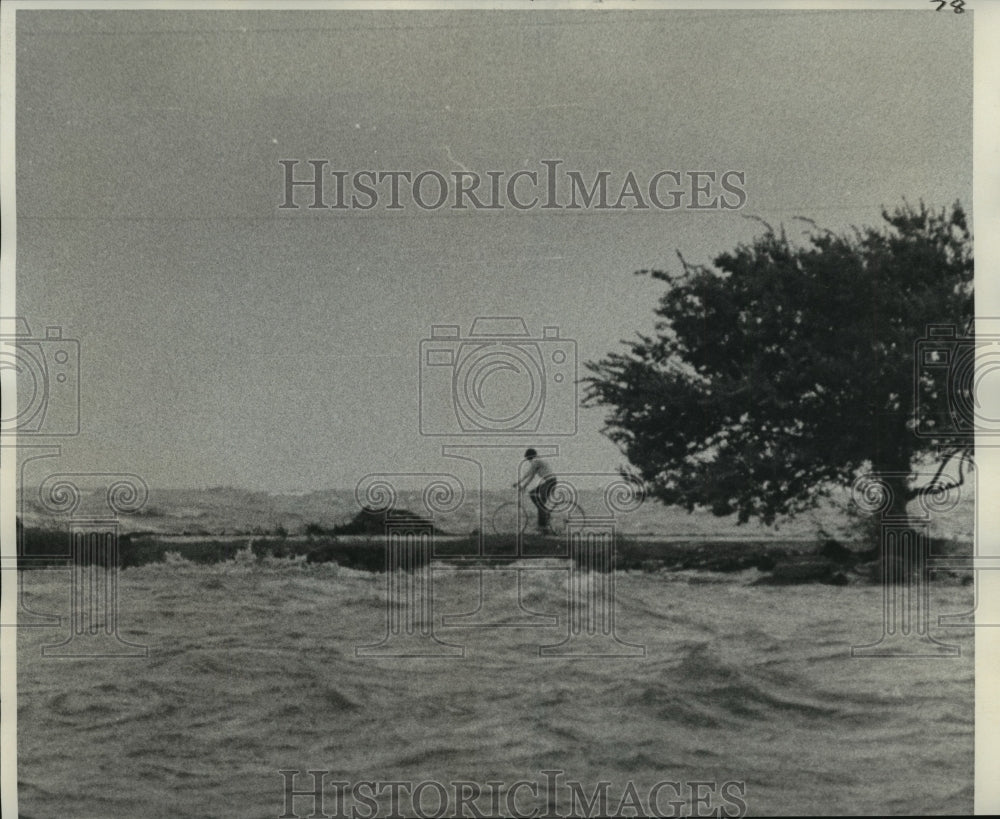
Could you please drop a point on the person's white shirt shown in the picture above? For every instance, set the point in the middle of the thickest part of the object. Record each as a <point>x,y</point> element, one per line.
<point>537,467</point>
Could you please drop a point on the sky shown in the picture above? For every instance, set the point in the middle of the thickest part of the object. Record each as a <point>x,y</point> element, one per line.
<point>227,341</point>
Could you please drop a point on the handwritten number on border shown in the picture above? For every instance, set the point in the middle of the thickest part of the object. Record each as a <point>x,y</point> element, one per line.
<point>957,5</point>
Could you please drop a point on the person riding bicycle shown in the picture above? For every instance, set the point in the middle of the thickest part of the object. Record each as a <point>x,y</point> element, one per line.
<point>543,489</point>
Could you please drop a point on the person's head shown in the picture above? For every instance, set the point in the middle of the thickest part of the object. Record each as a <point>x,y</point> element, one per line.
<point>530,454</point>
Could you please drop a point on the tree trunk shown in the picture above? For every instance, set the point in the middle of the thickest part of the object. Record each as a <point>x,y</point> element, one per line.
<point>900,495</point>
<point>896,535</point>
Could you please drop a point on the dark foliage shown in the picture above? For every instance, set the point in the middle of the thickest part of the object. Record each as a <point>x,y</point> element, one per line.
<point>373,522</point>
<point>787,368</point>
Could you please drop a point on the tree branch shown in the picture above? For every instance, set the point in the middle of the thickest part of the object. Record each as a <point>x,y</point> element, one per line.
<point>934,486</point>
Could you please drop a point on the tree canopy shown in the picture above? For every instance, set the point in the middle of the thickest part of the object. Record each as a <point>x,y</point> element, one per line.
<point>786,367</point>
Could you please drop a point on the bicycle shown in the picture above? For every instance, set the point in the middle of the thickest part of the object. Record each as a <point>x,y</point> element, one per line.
<point>517,516</point>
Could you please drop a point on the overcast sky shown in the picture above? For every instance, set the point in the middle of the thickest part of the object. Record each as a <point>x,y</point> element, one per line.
<point>227,341</point>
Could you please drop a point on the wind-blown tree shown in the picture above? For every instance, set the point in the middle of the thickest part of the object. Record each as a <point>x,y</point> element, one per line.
<point>788,368</point>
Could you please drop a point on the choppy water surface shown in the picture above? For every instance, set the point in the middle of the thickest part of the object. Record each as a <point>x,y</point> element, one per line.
<point>252,669</point>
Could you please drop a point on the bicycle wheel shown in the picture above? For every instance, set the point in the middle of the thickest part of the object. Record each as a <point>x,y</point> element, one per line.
<point>560,521</point>
<point>509,518</point>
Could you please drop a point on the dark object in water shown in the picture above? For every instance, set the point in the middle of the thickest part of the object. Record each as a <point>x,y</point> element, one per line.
<point>369,557</point>
<point>373,522</point>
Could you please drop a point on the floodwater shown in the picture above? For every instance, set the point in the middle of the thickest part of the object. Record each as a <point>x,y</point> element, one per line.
<point>252,669</point>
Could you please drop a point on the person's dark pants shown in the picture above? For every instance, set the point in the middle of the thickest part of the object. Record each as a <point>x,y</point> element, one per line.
<point>540,497</point>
